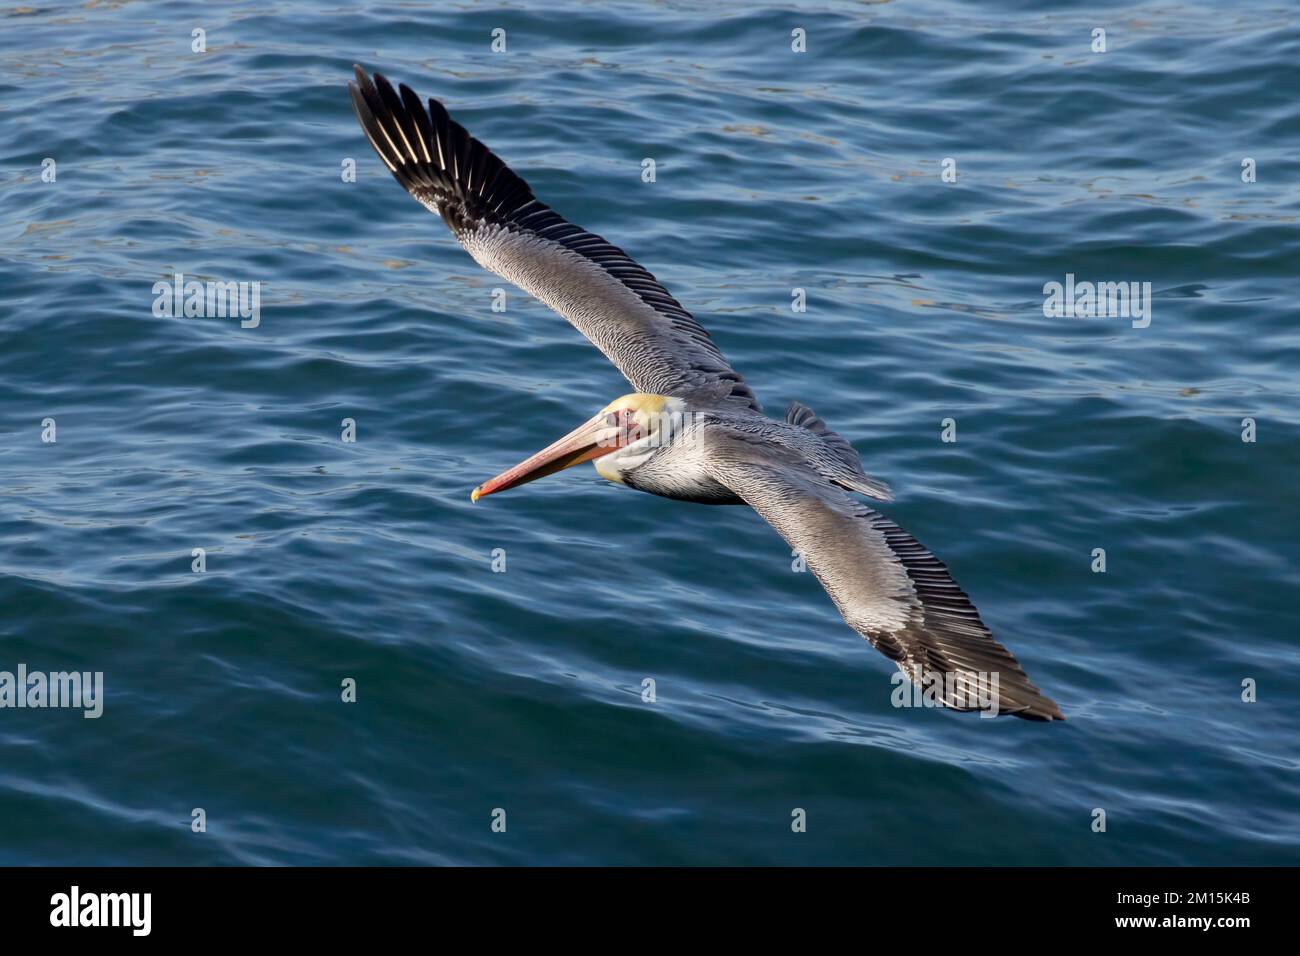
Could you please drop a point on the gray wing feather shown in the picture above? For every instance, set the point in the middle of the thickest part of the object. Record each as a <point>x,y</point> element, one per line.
<point>887,587</point>
<point>600,289</point>
<point>839,461</point>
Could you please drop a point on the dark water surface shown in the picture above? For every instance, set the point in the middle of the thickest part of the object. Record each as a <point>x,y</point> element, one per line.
<point>522,690</point>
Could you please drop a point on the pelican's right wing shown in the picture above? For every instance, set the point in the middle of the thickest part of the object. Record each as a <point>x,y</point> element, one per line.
<point>888,588</point>
<point>598,287</point>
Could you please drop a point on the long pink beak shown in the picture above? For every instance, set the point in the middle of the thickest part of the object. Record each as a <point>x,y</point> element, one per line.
<point>594,438</point>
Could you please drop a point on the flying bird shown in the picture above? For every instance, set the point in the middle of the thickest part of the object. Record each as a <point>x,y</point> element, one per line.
<point>693,430</point>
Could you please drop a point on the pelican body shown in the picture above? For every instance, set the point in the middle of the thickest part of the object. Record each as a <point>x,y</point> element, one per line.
<point>693,430</point>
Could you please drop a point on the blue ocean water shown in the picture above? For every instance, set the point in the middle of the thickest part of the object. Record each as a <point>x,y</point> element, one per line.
<point>479,691</point>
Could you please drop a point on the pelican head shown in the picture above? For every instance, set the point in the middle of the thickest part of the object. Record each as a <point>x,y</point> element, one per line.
<point>617,438</point>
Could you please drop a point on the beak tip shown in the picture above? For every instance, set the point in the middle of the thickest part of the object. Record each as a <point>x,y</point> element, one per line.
<point>473,495</point>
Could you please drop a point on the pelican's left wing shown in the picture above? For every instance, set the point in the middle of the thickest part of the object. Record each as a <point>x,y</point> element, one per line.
<point>613,301</point>
<point>888,588</point>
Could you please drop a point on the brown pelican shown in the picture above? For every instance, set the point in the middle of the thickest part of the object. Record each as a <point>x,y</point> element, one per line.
<point>693,429</point>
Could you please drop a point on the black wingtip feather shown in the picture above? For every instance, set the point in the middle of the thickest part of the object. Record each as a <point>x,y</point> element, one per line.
<point>949,631</point>
<point>434,157</point>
